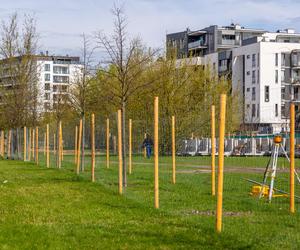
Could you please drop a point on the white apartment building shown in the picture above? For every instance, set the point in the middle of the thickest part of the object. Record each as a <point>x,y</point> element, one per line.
<point>264,69</point>
<point>57,74</point>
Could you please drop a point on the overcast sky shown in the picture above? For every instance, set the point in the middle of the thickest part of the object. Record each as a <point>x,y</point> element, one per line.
<point>60,22</point>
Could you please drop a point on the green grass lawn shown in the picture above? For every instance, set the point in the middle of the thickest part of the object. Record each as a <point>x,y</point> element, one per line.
<point>44,208</point>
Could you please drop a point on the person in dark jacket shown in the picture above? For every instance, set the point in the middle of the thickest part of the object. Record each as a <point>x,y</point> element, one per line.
<point>148,143</point>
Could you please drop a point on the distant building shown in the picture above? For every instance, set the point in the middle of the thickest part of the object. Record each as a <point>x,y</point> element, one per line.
<point>263,66</point>
<point>54,76</point>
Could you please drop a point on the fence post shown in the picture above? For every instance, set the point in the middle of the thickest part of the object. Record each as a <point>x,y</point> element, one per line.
<point>37,145</point>
<point>25,143</point>
<point>93,146</point>
<point>292,158</point>
<point>75,144</point>
<point>145,150</point>
<point>47,146</point>
<point>120,152</point>
<point>156,181</point>
<point>213,152</point>
<point>29,145</point>
<point>130,146</point>
<point>107,143</point>
<point>221,162</point>
<point>173,151</point>
<point>79,146</point>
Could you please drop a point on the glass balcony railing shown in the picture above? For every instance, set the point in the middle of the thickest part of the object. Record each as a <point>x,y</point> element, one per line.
<point>196,44</point>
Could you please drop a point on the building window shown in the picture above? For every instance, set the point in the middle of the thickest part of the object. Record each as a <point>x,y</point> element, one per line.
<point>276,76</point>
<point>47,77</point>
<point>253,76</point>
<point>60,70</point>
<point>257,110</point>
<point>47,86</point>
<point>47,67</point>
<point>258,60</point>
<point>276,59</point>
<point>282,59</point>
<point>47,96</point>
<point>253,110</point>
<point>253,60</point>
<point>248,56</point>
<point>54,88</point>
<point>267,93</point>
<point>248,89</point>
<point>61,79</point>
<point>248,73</point>
<point>276,110</point>
<point>253,94</point>
<point>258,79</point>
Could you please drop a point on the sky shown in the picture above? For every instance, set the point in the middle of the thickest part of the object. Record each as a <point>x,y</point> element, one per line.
<point>60,22</point>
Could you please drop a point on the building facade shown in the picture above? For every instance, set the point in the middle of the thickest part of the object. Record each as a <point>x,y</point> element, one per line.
<point>264,68</point>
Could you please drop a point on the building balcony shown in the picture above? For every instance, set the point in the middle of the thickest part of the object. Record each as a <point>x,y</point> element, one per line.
<point>197,45</point>
<point>227,42</point>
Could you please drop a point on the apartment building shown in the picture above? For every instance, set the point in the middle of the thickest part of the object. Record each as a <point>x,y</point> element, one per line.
<point>264,68</point>
<point>54,76</point>
<point>57,74</point>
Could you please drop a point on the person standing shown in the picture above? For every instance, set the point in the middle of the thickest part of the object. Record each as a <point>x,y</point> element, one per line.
<point>148,143</point>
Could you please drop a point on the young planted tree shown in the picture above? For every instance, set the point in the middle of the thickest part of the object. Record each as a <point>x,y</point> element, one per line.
<point>19,78</point>
<point>127,60</point>
<point>80,89</point>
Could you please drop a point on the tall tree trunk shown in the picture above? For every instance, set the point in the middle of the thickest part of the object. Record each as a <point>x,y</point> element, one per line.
<point>82,143</point>
<point>57,143</point>
<point>124,143</point>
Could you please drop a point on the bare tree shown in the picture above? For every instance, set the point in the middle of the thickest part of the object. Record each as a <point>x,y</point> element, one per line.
<point>79,90</point>
<point>127,60</point>
<point>18,71</point>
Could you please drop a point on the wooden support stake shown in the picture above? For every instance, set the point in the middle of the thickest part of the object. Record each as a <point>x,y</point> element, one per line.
<point>79,147</point>
<point>9,144</point>
<point>130,146</point>
<point>107,143</point>
<point>213,152</point>
<point>75,145</point>
<point>47,147</point>
<point>25,144</point>
<point>156,180</point>
<point>292,158</point>
<point>120,151</point>
<point>37,145</point>
<point>145,150</point>
<point>60,149</point>
<point>29,145</point>
<point>173,151</point>
<point>93,146</point>
<point>221,163</point>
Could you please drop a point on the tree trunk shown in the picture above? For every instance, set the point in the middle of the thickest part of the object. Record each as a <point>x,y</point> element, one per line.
<point>124,143</point>
<point>18,144</point>
<point>57,144</point>
<point>82,144</point>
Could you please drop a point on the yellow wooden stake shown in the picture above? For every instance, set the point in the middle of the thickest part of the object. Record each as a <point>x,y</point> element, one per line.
<point>213,152</point>
<point>145,151</point>
<point>47,147</point>
<point>292,158</point>
<point>79,146</point>
<point>61,142</point>
<point>2,143</point>
<point>130,146</point>
<point>156,181</point>
<point>37,145</point>
<point>221,162</point>
<point>8,145</point>
<point>75,145</point>
<point>60,148</point>
<point>93,146</point>
<point>29,145</point>
<point>107,143</point>
<point>173,151</point>
<point>25,144</point>
<point>32,144</point>
<point>120,152</point>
